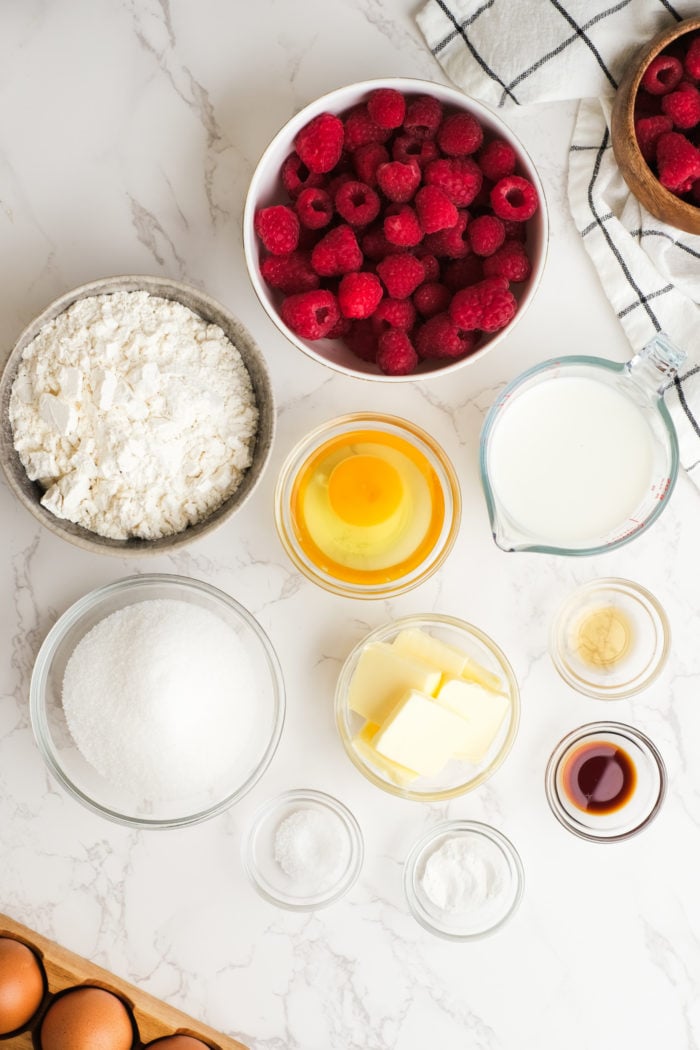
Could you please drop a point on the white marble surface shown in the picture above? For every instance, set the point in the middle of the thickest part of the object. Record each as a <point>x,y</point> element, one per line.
<point>129,133</point>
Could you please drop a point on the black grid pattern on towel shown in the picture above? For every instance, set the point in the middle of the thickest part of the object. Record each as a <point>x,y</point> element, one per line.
<point>573,33</point>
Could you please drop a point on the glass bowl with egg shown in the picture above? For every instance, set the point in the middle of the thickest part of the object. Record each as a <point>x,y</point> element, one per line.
<point>157,701</point>
<point>367,505</point>
<point>427,707</point>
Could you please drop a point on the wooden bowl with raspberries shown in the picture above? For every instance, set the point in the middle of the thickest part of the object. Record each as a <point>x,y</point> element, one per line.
<point>656,126</point>
<point>395,229</point>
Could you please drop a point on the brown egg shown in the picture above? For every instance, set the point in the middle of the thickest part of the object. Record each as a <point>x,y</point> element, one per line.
<point>178,1042</point>
<point>21,984</point>
<point>86,1019</point>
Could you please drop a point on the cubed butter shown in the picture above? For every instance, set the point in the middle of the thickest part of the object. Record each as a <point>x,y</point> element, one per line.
<point>482,711</point>
<point>419,645</point>
<point>382,677</point>
<point>422,735</point>
<point>364,744</point>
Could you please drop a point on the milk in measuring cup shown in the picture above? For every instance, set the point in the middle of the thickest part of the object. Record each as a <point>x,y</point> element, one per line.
<point>571,460</point>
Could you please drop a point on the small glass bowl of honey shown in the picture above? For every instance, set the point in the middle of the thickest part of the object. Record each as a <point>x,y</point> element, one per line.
<point>367,505</point>
<point>610,639</point>
<point>605,781</point>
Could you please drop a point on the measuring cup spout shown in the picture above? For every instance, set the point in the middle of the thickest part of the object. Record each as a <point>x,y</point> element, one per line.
<point>656,366</point>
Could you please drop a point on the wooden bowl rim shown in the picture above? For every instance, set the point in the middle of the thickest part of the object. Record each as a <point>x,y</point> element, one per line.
<point>642,59</point>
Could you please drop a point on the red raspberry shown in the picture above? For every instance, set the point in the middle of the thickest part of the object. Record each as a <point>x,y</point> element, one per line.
<point>435,209</point>
<point>431,266</point>
<point>290,273</point>
<point>397,181</point>
<point>692,59</point>
<point>361,129</point>
<point>423,117</point>
<point>422,151</point>
<point>678,160</point>
<point>682,106</point>
<point>357,203</point>
<point>297,177</point>
<point>431,298</point>
<point>366,160</point>
<point>401,275</point>
<point>460,273</point>
<point>453,243</point>
<point>486,234</point>
<point>320,142</point>
<point>278,229</point>
<point>337,252</point>
<point>510,261</point>
<point>362,340</point>
<point>340,329</point>
<point>648,131</point>
<point>396,355</point>
<point>375,245</point>
<point>459,177</point>
<point>662,75</point>
<point>310,314</point>
<point>394,313</point>
<point>515,230</point>
<point>488,306</point>
<point>440,338</point>
<point>497,159</point>
<point>402,227</point>
<point>359,294</point>
<point>314,208</point>
<point>514,198</point>
<point>459,134</point>
<point>387,107</point>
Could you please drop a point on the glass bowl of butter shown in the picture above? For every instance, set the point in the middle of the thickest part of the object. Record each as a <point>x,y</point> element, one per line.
<point>427,707</point>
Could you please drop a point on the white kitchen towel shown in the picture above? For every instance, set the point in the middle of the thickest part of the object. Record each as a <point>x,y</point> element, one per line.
<point>515,52</point>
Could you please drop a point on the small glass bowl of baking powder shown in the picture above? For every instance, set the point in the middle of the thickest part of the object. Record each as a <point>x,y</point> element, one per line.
<point>463,880</point>
<point>304,850</point>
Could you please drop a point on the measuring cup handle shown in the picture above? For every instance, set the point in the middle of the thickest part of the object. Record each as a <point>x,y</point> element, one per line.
<point>656,365</point>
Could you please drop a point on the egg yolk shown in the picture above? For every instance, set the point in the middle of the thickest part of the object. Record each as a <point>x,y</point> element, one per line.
<point>365,490</point>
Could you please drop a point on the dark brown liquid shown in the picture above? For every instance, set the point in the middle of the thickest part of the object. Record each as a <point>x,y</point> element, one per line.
<point>599,777</point>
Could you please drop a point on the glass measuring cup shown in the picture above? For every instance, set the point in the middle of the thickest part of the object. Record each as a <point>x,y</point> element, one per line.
<point>635,390</point>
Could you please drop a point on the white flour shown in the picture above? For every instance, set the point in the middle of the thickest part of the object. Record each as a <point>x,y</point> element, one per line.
<point>135,415</point>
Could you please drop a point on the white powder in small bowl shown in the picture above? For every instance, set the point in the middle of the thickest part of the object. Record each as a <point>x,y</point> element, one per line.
<point>160,698</point>
<point>466,876</point>
<point>311,847</point>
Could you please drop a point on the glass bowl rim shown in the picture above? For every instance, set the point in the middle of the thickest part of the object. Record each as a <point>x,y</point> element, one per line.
<point>455,826</point>
<point>657,614</point>
<point>579,733</point>
<point>393,627</point>
<point>349,822</point>
<point>47,651</point>
<point>449,483</point>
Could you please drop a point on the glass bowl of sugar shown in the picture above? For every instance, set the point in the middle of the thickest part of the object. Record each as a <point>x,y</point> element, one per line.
<point>157,701</point>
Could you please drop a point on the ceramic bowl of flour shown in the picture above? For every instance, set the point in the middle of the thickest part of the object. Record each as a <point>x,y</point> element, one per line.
<point>154,434</point>
<point>157,701</point>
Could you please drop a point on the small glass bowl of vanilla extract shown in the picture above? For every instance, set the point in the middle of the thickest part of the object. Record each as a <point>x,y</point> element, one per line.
<point>605,781</point>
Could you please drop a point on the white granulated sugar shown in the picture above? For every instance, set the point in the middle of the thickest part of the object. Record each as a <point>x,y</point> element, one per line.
<point>310,846</point>
<point>159,698</point>
<point>136,416</point>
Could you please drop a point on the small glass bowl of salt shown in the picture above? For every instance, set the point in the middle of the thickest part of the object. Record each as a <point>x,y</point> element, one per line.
<point>463,880</point>
<point>304,850</point>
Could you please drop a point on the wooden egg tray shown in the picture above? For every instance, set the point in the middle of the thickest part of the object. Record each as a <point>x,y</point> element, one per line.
<point>154,1019</point>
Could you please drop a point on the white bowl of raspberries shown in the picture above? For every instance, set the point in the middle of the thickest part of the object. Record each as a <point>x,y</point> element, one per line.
<point>395,229</point>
